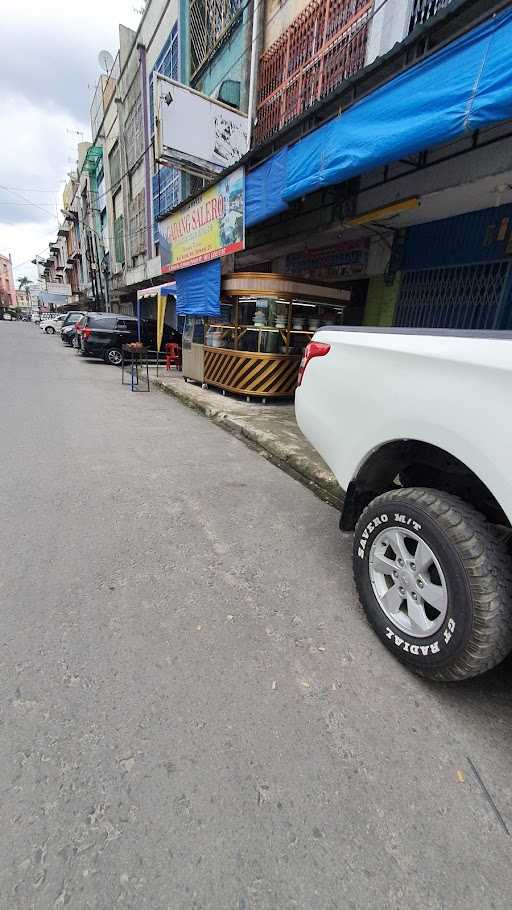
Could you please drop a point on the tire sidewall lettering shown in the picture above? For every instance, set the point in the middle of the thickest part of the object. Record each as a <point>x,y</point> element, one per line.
<point>413,649</point>
<point>433,647</point>
<point>375,523</point>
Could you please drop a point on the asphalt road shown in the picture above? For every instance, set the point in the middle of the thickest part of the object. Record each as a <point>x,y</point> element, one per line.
<point>194,712</point>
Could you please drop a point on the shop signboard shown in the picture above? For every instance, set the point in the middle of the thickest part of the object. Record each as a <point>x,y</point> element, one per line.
<point>347,259</point>
<point>196,133</point>
<point>210,226</point>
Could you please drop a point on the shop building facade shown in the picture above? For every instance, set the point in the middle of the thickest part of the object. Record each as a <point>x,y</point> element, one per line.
<point>399,198</point>
<point>363,233</point>
<point>7,286</point>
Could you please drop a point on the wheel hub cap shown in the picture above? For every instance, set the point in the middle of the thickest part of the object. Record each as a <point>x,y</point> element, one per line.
<point>408,582</point>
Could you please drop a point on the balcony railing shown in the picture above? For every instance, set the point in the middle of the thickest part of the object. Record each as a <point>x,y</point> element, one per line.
<point>323,46</point>
<point>423,10</point>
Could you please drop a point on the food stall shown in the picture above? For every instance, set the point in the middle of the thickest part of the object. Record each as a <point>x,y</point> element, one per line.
<point>254,348</point>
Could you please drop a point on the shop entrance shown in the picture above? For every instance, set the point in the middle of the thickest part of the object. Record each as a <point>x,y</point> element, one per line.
<point>454,297</point>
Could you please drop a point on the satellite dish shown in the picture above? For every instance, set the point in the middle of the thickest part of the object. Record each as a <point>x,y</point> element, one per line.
<point>106,61</point>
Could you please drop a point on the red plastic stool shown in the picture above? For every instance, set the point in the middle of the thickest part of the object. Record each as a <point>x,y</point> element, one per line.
<point>172,356</point>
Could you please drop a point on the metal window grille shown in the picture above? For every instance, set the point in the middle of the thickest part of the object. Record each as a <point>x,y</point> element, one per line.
<point>114,166</point>
<point>166,192</point>
<point>423,10</point>
<point>209,20</point>
<point>167,64</point>
<point>119,239</point>
<point>196,184</point>
<point>324,45</point>
<point>166,183</point>
<point>454,297</point>
<point>137,224</point>
<point>133,125</point>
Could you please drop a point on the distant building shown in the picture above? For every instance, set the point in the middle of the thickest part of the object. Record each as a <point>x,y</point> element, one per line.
<point>27,297</point>
<point>7,288</point>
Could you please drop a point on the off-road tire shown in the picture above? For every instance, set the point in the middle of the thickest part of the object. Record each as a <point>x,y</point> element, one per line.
<point>477,630</point>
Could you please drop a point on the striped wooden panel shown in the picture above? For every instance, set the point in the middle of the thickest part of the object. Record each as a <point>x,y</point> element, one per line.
<point>247,373</point>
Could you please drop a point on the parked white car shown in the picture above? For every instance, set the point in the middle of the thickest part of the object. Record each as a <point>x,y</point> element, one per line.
<point>415,426</point>
<point>7,317</point>
<point>53,324</point>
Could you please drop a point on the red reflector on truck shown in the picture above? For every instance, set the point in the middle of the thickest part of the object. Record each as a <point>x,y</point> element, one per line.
<point>313,349</point>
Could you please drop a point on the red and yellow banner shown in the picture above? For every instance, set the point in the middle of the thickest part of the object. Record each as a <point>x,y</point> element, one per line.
<point>209,227</point>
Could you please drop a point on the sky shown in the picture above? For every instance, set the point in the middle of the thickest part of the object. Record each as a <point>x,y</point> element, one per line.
<point>48,72</point>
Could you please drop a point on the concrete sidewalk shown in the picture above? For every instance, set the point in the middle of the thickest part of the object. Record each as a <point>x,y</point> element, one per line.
<point>270,427</point>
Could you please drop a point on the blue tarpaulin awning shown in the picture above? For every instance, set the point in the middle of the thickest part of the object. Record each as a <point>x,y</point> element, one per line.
<point>198,289</point>
<point>48,298</point>
<point>264,188</point>
<point>463,87</point>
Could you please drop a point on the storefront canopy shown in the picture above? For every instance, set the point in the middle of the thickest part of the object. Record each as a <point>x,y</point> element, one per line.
<point>264,188</point>
<point>167,290</point>
<point>463,87</point>
<point>198,289</point>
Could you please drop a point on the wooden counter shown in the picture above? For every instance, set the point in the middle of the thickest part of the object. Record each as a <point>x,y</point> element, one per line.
<point>250,373</point>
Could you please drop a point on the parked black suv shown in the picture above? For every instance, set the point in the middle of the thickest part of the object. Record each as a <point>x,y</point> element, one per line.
<point>68,326</point>
<point>103,335</point>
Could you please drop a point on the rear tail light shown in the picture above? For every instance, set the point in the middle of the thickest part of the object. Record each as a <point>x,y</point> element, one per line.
<point>313,349</point>
<point>86,332</point>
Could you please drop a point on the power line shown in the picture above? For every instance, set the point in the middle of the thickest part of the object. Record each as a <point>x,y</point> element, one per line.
<point>18,203</point>
<point>26,201</point>
<point>33,189</point>
<point>267,22</point>
<point>109,189</point>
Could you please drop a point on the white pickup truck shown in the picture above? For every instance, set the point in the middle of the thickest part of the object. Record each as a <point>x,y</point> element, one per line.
<point>416,426</point>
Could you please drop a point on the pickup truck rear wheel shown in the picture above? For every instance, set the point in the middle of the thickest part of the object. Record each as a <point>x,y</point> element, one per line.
<point>435,582</point>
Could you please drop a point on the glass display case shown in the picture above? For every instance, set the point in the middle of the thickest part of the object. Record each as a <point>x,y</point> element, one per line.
<point>193,338</point>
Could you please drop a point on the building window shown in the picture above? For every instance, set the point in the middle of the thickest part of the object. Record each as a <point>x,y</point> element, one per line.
<point>167,64</point>
<point>137,225</point>
<point>133,126</point>
<point>324,45</point>
<point>209,21</point>
<point>104,230</point>
<point>114,166</point>
<point>166,192</point>
<point>119,239</point>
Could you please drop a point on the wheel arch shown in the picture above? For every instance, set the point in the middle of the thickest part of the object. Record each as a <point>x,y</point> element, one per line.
<point>411,462</point>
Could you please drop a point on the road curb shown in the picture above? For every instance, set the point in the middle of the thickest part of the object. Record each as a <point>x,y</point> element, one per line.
<point>321,482</point>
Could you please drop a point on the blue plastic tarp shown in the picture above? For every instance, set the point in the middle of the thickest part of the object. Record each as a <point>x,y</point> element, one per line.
<point>463,87</point>
<point>198,290</point>
<point>264,188</point>
<point>50,299</point>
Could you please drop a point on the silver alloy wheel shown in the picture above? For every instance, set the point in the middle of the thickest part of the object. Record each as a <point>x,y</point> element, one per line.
<point>114,357</point>
<point>408,582</point>
<point>50,330</point>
